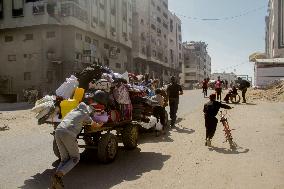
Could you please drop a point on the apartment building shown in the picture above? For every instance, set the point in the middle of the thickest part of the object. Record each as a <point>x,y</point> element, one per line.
<point>274,40</point>
<point>44,41</point>
<point>155,35</point>
<point>271,67</point>
<point>197,63</point>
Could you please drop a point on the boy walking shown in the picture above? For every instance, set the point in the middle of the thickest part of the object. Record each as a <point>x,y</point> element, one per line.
<point>210,110</point>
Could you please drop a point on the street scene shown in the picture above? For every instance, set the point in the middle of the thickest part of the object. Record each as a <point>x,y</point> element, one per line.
<point>141,94</point>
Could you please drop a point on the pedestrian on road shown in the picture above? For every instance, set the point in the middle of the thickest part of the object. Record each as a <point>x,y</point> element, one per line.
<point>66,140</point>
<point>159,109</point>
<point>173,91</point>
<point>243,86</point>
<point>204,87</point>
<point>210,110</point>
<point>218,88</point>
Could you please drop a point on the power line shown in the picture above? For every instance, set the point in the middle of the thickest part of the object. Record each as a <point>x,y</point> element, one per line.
<point>223,18</point>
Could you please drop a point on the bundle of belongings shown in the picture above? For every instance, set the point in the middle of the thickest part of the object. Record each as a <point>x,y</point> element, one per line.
<point>111,94</point>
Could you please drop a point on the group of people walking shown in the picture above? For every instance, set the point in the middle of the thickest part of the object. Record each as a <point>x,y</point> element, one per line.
<point>219,85</point>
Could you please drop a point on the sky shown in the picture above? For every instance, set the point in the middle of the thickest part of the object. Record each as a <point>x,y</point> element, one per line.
<point>231,41</point>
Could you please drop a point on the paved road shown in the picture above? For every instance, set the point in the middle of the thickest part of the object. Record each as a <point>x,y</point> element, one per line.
<point>178,159</point>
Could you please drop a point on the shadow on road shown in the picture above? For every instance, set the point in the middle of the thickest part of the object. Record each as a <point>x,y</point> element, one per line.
<point>248,103</point>
<point>228,151</point>
<point>150,137</point>
<point>15,106</point>
<point>129,165</point>
<point>183,130</point>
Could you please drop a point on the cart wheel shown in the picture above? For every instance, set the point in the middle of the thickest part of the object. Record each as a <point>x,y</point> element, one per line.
<point>107,148</point>
<point>235,99</point>
<point>130,136</point>
<point>55,149</point>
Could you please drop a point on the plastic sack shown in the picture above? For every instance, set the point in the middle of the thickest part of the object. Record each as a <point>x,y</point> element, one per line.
<point>121,95</point>
<point>159,126</point>
<point>67,88</point>
<point>125,76</point>
<point>101,84</point>
<point>42,106</point>
<point>107,77</point>
<point>44,99</point>
<point>103,118</point>
<point>45,109</point>
<point>152,123</point>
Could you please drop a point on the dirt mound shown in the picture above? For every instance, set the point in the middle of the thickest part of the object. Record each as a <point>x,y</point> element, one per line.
<point>273,92</point>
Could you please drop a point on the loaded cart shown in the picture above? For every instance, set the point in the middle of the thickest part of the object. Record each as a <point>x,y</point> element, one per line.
<point>119,108</point>
<point>105,139</point>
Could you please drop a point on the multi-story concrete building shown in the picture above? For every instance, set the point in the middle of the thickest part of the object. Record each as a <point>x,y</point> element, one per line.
<point>271,67</point>
<point>156,35</point>
<point>274,40</point>
<point>230,77</point>
<point>197,63</point>
<point>43,41</point>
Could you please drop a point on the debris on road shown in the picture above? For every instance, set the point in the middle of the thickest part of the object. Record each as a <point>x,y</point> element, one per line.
<point>273,92</point>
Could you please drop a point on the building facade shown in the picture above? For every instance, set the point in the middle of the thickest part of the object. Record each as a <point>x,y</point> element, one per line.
<point>271,67</point>
<point>197,63</point>
<point>230,77</point>
<point>274,40</point>
<point>44,41</point>
<point>156,39</point>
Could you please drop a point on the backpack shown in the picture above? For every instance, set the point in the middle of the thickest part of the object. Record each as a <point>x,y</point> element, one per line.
<point>218,84</point>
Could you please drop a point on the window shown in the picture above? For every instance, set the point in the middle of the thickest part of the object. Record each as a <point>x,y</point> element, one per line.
<point>1,9</point>
<point>143,50</point>
<point>79,36</point>
<point>112,7</point>
<point>49,76</point>
<point>88,39</point>
<point>179,28</point>
<point>159,19</point>
<point>17,8</point>
<point>179,46</point>
<point>165,36</point>
<point>106,46</point>
<point>38,8</point>
<point>153,26</point>
<point>117,65</point>
<point>165,25</point>
<point>142,22</point>
<point>29,36</point>
<point>154,53</point>
<point>8,38</point>
<point>50,34</point>
<point>12,57</point>
<point>143,36</point>
<point>171,25</point>
<point>159,8</point>
<point>179,55</point>
<point>165,5</point>
<point>27,76</point>
<point>159,31</point>
<point>78,56</point>
<point>29,56</point>
<point>179,37</point>
<point>165,15</point>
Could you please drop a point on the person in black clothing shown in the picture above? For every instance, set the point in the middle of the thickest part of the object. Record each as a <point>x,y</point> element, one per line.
<point>210,110</point>
<point>243,86</point>
<point>173,92</point>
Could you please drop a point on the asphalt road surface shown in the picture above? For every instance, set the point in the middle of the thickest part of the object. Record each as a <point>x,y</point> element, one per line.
<point>178,159</point>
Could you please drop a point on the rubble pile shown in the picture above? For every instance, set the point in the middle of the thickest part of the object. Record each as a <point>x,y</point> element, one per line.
<point>273,92</point>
